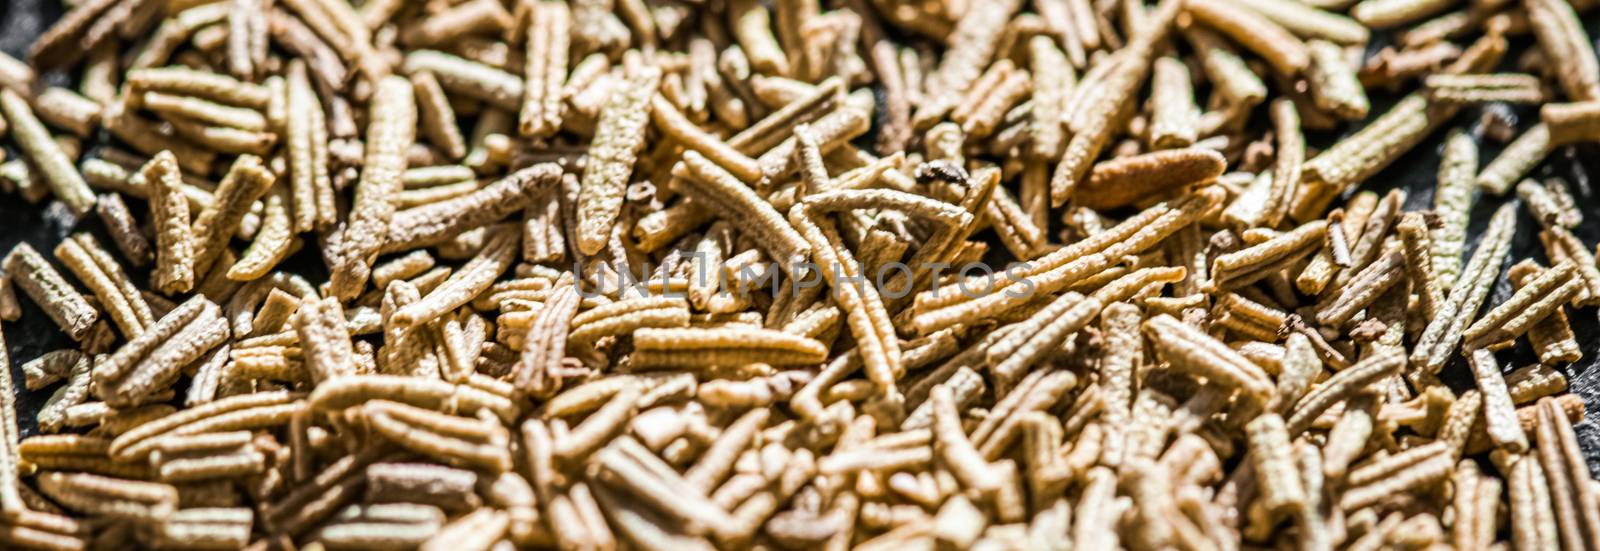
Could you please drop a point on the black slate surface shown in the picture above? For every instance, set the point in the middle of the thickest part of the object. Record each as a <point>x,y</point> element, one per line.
<point>44,225</point>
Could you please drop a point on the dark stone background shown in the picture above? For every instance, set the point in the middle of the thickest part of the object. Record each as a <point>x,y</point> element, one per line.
<point>44,225</point>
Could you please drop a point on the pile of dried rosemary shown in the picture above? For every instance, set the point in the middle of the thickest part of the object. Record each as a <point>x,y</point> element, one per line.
<point>671,289</point>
